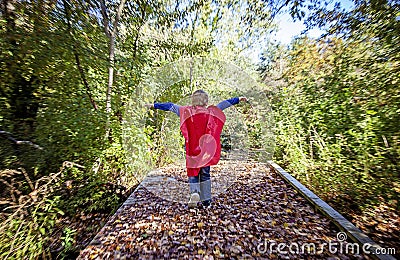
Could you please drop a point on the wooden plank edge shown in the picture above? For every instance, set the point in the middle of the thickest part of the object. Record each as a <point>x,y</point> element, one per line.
<point>341,222</point>
<point>129,201</point>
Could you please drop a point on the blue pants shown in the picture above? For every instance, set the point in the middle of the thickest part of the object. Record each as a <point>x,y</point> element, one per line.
<point>202,185</point>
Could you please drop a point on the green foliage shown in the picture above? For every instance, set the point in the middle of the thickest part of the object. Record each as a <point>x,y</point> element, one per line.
<point>67,241</point>
<point>54,66</point>
<point>75,133</point>
<point>28,220</point>
<point>338,114</point>
<point>87,192</point>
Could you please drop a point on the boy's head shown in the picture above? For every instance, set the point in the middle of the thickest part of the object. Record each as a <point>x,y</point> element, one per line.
<point>199,98</point>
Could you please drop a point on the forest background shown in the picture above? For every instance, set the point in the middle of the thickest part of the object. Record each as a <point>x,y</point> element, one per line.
<point>68,69</point>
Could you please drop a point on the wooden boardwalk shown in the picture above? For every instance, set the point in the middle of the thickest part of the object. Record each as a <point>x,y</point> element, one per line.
<point>256,214</point>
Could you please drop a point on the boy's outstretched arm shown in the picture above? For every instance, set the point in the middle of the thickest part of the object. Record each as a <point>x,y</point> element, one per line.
<point>230,102</point>
<point>165,107</point>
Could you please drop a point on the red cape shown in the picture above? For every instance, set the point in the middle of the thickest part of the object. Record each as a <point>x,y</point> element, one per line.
<point>201,128</point>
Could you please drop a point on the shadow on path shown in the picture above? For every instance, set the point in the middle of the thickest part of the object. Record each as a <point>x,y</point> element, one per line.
<point>252,212</point>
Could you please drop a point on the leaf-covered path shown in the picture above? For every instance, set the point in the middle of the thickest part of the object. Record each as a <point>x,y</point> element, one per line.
<point>253,211</point>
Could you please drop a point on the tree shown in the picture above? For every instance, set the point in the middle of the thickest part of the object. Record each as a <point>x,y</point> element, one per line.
<point>338,109</point>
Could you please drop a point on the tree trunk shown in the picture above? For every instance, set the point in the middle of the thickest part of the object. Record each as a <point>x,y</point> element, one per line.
<point>110,74</point>
<point>111,34</point>
<point>76,55</point>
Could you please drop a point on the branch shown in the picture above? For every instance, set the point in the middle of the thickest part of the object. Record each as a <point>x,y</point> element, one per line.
<point>118,16</point>
<point>76,55</point>
<point>277,10</point>
<point>106,24</point>
<point>9,137</point>
<point>27,178</point>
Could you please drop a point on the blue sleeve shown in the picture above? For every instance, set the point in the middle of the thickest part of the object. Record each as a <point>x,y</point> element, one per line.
<point>227,103</point>
<point>168,107</point>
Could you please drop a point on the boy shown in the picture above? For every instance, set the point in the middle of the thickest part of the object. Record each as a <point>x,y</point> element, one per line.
<point>201,126</point>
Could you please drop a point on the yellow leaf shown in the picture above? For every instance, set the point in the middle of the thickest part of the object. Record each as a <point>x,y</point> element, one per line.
<point>201,252</point>
<point>286,225</point>
<point>200,224</point>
